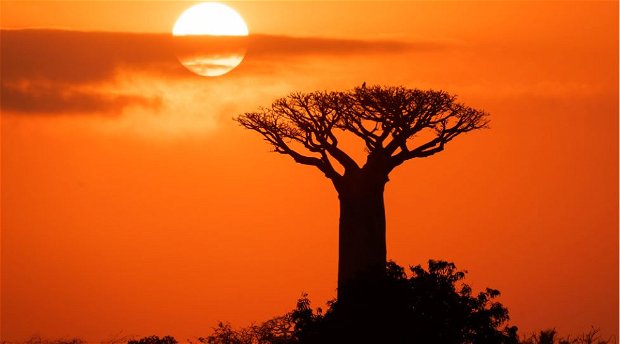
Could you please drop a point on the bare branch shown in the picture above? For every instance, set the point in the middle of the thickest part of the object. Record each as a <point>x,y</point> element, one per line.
<point>458,119</point>
<point>279,134</point>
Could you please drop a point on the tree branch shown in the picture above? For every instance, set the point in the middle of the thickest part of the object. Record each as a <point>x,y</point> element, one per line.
<point>277,133</point>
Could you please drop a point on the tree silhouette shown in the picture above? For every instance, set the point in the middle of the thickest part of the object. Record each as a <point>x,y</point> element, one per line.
<point>395,124</point>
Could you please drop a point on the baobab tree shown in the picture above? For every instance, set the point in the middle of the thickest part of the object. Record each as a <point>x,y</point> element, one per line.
<point>395,124</point>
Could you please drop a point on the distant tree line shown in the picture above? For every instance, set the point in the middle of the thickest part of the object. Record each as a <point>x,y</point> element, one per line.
<point>267,333</point>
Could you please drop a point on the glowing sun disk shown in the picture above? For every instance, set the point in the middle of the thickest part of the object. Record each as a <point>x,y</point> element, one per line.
<point>210,18</point>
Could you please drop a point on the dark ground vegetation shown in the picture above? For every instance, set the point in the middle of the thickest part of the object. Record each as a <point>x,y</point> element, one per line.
<point>418,305</point>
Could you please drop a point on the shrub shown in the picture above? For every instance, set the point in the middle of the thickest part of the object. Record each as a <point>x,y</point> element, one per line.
<point>424,306</point>
<point>549,337</point>
<point>154,340</point>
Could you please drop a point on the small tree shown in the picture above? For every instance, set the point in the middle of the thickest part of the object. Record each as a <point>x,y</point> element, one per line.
<point>395,124</point>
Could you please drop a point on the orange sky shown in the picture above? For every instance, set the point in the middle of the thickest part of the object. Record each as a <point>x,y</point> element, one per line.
<point>133,205</point>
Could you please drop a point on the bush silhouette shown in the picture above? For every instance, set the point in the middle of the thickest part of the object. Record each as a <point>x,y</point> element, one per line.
<point>424,306</point>
<point>40,340</point>
<point>154,340</point>
<point>278,330</point>
<point>550,337</point>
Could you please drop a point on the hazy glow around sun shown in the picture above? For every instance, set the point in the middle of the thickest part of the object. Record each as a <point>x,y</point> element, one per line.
<point>210,18</point>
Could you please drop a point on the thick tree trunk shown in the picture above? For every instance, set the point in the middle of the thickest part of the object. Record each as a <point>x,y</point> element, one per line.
<point>360,311</point>
<point>362,247</point>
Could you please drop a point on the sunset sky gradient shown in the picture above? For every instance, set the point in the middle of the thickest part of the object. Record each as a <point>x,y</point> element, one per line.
<point>133,205</point>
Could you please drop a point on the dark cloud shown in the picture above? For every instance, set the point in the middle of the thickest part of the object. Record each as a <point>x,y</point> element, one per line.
<point>262,46</point>
<point>48,70</point>
<point>58,99</point>
<point>81,57</point>
<point>53,71</point>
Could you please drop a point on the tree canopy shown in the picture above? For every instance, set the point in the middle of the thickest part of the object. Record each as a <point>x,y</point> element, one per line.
<point>394,123</point>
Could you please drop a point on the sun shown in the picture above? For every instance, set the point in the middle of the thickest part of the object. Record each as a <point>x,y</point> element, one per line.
<point>210,18</point>
<point>210,38</point>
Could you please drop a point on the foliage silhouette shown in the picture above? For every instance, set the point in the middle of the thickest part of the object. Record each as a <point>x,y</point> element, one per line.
<point>395,124</point>
<point>550,337</point>
<point>40,340</point>
<point>426,306</point>
<point>154,340</point>
<point>278,330</point>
